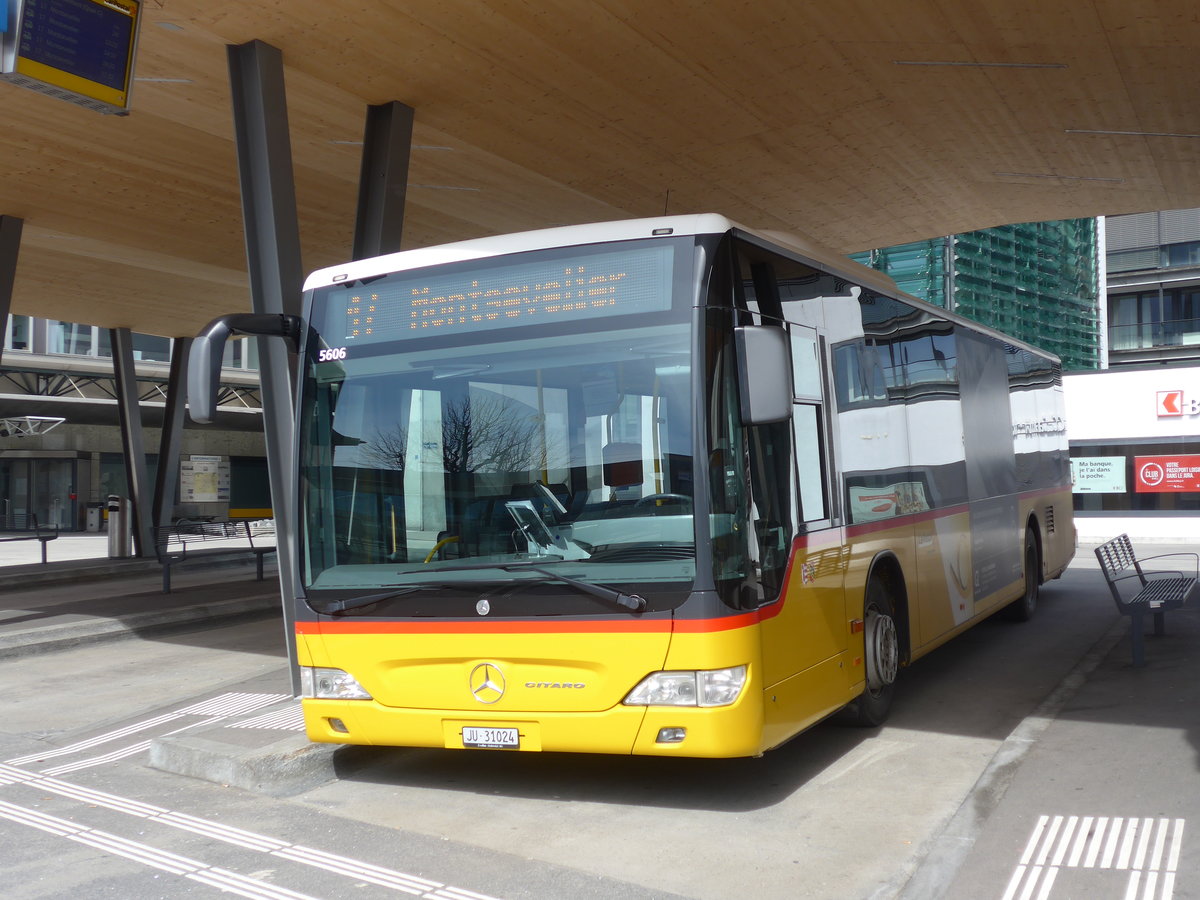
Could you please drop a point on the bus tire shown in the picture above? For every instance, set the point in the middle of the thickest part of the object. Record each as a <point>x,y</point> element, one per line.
<point>1023,608</point>
<point>881,657</point>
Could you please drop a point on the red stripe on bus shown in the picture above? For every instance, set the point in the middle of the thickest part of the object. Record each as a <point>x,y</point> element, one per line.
<point>525,626</point>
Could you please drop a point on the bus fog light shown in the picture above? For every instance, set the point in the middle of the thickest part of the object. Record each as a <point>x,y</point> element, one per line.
<point>715,687</point>
<point>670,735</point>
<point>330,684</point>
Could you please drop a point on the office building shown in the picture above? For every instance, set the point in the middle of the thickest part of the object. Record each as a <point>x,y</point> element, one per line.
<point>61,453</point>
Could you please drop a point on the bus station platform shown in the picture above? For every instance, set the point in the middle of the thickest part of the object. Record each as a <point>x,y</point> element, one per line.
<point>81,596</point>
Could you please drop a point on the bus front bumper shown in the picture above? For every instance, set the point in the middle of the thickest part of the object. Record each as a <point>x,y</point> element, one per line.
<point>730,731</point>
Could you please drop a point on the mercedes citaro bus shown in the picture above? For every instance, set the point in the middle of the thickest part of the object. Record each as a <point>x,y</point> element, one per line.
<point>667,486</point>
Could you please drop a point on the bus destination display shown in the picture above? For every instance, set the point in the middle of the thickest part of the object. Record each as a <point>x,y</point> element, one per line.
<point>504,294</point>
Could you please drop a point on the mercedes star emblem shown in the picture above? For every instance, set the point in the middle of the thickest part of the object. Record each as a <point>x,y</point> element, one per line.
<point>487,683</point>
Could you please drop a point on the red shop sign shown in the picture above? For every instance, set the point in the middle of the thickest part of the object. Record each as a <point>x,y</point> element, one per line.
<point>1166,474</point>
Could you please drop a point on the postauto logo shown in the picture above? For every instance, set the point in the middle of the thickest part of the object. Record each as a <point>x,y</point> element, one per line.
<point>1173,403</point>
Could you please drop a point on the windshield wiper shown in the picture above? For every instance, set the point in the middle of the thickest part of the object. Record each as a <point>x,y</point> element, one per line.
<point>334,607</point>
<point>634,602</point>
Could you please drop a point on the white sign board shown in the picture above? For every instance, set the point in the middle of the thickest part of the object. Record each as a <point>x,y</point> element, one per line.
<point>204,479</point>
<point>1098,474</point>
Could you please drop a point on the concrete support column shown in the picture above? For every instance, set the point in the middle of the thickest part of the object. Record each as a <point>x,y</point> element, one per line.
<point>129,412</point>
<point>10,244</point>
<point>268,189</point>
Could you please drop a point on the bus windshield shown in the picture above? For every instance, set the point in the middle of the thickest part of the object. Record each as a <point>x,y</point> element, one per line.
<point>463,459</point>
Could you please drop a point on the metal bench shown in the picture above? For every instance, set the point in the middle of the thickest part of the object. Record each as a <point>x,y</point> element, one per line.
<point>1139,592</point>
<point>25,527</point>
<point>191,540</point>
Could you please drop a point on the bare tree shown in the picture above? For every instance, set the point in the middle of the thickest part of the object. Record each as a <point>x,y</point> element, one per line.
<point>388,450</point>
<point>489,434</point>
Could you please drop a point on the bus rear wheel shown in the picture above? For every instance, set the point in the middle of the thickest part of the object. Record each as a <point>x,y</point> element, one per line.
<point>1023,608</point>
<point>881,657</point>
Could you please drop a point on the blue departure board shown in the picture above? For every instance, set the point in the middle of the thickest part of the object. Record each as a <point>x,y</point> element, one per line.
<point>78,50</point>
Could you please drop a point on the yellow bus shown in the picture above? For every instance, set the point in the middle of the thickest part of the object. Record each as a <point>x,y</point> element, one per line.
<point>669,487</point>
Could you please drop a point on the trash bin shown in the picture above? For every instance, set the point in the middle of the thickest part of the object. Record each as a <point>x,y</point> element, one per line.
<point>120,527</point>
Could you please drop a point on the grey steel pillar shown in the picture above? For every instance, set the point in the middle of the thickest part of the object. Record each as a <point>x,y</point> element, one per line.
<point>10,243</point>
<point>136,473</point>
<point>167,478</point>
<point>268,189</point>
<point>383,179</point>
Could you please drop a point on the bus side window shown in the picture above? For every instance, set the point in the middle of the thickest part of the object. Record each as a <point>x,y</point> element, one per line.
<point>770,497</point>
<point>810,468</point>
<point>772,493</point>
<point>807,436</point>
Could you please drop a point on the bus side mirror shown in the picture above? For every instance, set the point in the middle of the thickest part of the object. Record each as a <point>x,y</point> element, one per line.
<point>208,348</point>
<point>765,369</point>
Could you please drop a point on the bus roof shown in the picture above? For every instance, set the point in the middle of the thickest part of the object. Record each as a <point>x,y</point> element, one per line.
<point>575,235</point>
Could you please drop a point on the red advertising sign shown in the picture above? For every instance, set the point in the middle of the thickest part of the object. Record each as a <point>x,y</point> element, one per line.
<point>1166,474</point>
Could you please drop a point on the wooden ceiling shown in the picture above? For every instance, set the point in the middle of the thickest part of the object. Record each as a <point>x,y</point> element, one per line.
<point>861,123</point>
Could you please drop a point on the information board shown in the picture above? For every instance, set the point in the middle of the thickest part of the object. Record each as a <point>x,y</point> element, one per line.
<point>1166,474</point>
<point>81,51</point>
<point>203,479</point>
<point>1098,474</point>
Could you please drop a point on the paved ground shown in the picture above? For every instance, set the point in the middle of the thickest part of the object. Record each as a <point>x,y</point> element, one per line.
<point>1023,761</point>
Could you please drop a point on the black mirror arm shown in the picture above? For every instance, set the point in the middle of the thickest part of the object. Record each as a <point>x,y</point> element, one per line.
<point>208,348</point>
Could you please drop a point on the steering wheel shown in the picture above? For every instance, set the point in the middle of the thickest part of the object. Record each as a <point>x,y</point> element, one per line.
<point>656,499</point>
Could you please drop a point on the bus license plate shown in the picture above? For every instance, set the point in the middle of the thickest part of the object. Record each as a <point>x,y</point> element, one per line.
<point>491,738</point>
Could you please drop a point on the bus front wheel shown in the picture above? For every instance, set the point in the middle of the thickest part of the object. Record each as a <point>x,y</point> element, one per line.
<point>881,657</point>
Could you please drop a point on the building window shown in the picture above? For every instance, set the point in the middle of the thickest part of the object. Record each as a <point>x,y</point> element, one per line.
<point>1151,319</point>
<point>241,353</point>
<point>1132,260</point>
<point>1186,254</point>
<point>18,334</point>
<point>72,338</point>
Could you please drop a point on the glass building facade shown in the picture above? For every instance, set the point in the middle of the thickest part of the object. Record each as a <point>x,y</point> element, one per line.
<point>1037,281</point>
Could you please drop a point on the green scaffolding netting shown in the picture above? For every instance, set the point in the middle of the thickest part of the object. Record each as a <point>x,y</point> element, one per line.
<point>1036,281</point>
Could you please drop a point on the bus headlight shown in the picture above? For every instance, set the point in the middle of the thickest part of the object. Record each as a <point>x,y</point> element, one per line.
<point>330,684</point>
<point>712,687</point>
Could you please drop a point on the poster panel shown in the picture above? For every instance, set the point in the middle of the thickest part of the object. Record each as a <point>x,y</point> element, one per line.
<point>1166,474</point>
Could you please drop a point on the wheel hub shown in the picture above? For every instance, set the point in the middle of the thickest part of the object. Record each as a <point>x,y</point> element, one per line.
<point>882,650</point>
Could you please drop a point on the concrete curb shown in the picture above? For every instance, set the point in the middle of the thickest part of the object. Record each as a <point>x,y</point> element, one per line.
<point>48,638</point>
<point>282,767</point>
<point>61,573</point>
